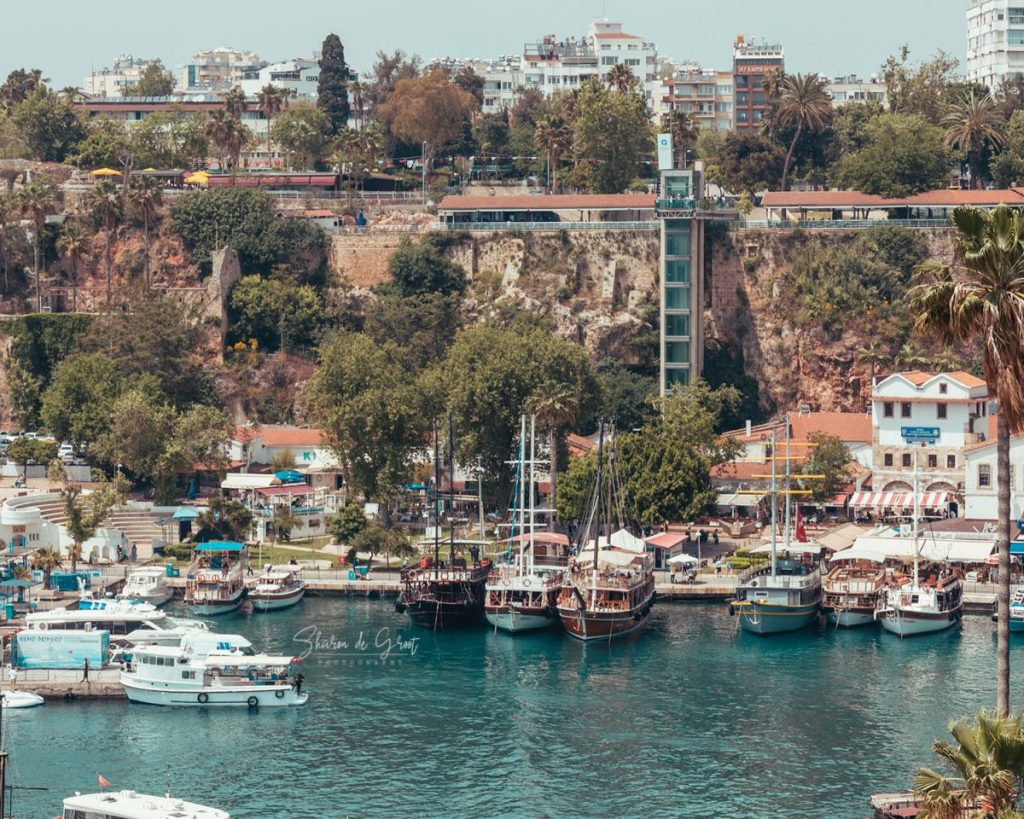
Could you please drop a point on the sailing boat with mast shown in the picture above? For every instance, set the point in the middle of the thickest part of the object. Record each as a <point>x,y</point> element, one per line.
<point>608,590</point>
<point>522,591</point>
<point>434,593</point>
<point>785,595</point>
<point>922,606</point>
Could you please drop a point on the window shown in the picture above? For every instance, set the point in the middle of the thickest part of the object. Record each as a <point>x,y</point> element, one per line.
<point>951,462</point>
<point>943,389</point>
<point>677,271</point>
<point>676,378</point>
<point>677,325</point>
<point>677,242</point>
<point>632,62</point>
<point>905,409</point>
<point>984,475</point>
<point>607,61</point>
<point>677,352</point>
<point>887,458</point>
<point>677,298</point>
<point>940,410</point>
<point>887,407</point>
<point>741,99</point>
<point>906,459</point>
<point>933,461</point>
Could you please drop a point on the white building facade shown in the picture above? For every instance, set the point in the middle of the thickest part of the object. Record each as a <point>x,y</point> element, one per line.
<point>851,88</point>
<point>980,498</point>
<point>111,82</point>
<point>301,76</point>
<point>995,40</point>
<point>219,69</point>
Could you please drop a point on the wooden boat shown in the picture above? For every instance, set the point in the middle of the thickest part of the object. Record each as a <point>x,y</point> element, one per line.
<point>214,583</point>
<point>852,591</point>
<point>279,587</point>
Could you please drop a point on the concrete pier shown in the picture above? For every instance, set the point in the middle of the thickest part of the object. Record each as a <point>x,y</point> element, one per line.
<point>68,684</point>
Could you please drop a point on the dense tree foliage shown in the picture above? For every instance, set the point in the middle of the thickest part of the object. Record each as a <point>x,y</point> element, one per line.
<point>276,312</point>
<point>828,456</point>
<point>332,88</point>
<point>303,132</point>
<point>48,127</point>
<point>612,137</point>
<point>420,268</point>
<point>155,81</point>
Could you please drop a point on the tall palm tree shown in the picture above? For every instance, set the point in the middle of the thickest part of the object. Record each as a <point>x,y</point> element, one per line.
<point>234,102</point>
<point>980,298</point>
<point>72,94</point>
<point>47,560</point>
<point>874,355</point>
<point>105,201</point>
<point>146,197</point>
<point>555,408</point>
<point>620,77</point>
<point>772,82</point>
<point>971,124</point>
<point>803,102</point>
<point>684,132</point>
<point>37,200</point>
<point>228,135</point>
<point>271,100</point>
<point>358,93</point>
<point>989,762</point>
<point>553,137</point>
<point>910,355</point>
<point>947,361</point>
<point>73,245</point>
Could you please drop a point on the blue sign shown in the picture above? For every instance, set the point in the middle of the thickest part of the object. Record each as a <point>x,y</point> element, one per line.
<point>920,435</point>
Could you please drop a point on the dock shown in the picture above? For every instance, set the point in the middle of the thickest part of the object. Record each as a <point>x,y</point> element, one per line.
<point>70,683</point>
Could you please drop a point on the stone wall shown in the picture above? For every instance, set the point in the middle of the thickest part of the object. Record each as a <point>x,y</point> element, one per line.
<point>361,259</point>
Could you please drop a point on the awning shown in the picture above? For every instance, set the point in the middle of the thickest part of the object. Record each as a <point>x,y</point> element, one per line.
<point>288,489</point>
<point>245,480</point>
<point>898,500</point>
<point>1017,547</point>
<point>684,560</point>
<point>666,540</point>
<point>837,500</point>
<point>622,539</point>
<point>219,546</point>
<point>931,546</point>
<point>739,499</point>
<point>289,476</point>
<point>185,513</point>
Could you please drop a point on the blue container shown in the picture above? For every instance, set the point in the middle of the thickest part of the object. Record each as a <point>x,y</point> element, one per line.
<point>172,570</point>
<point>10,611</point>
<point>363,570</point>
<point>68,581</point>
<point>351,574</point>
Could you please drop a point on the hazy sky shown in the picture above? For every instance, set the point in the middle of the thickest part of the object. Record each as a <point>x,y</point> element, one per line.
<point>69,38</point>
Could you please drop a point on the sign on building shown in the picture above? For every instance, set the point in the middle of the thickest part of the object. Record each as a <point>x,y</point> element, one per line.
<point>664,152</point>
<point>920,435</point>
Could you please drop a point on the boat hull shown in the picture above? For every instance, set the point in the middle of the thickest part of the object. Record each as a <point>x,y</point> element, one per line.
<point>20,699</point>
<point>274,602</point>
<point>602,624</point>
<point>154,598</point>
<point>432,614</point>
<point>214,609</point>
<point>910,624</point>
<point>239,696</point>
<point>850,618</point>
<point>765,618</point>
<point>518,620</point>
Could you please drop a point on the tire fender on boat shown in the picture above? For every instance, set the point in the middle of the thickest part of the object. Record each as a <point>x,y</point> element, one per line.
<point>252,702</point>
<point>279,694</point>
<point>526,582</point>
<point>203,698</point>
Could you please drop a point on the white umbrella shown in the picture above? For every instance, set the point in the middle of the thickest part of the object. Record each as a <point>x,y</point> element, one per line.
<point>684,560</point>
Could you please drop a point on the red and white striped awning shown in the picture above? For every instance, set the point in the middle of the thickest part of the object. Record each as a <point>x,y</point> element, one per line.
<point>898,500</point>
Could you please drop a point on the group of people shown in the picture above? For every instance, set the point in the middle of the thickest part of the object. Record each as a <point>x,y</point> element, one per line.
<point>124,555</point>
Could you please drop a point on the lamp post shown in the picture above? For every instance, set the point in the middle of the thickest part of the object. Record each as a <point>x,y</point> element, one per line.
<point>423,157</point>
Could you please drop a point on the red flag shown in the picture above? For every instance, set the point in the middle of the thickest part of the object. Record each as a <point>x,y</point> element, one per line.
<point>801,533</point>
<point>103,782</point>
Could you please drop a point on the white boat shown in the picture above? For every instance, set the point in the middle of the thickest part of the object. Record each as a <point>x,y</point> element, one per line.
<point>132,805</point>
<point>277,588</point>
<point>1016,610</point>
<point>147,585</point>
<point>922,606</point>
<point>128,623</point>
<point>522,589</point>
<point>215,581</point>
<point>20,699</point>
<point>211,672</point>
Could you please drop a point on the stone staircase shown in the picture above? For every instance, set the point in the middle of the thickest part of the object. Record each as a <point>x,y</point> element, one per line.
<point>138,524</point>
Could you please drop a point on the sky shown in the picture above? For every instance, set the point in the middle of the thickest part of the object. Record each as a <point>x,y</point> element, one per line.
<point>68,38</point>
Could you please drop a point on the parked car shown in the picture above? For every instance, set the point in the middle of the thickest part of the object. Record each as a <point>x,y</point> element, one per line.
<point>66,453</point>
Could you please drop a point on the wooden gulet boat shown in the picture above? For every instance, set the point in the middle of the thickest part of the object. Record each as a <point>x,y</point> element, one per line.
<point>608,590</point>
<point>852,590</point>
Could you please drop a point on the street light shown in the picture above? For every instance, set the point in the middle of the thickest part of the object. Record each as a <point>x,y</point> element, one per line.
<point>423,157</point>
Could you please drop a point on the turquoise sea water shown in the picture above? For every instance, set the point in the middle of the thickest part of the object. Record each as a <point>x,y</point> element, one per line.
<point>689,718</point>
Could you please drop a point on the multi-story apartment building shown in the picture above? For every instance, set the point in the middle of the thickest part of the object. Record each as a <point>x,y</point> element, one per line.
<point>111,82</point>
<point>705,95</point>
<point>995,40</point>
<point>851,88</point>
<point>301,76</point>
<point>927,420</point>
<point>752,61</point>
<point>219,69</point>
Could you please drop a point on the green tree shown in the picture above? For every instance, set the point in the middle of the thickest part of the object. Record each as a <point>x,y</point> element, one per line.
<point>76,404</point>
<point>170,139</point>
<point>980,299</point>
<point>27,451</point>
<point>988,761</point>
<point>348,523</point>
<point>19,86</point>
<point>83,513</point>
<point>1007,167</point>
<point>903,154</point>
<point>107,203</point>
<point>303,131</point>
<point>104,143</point>
<point>556,405</point>
<point>146,197</point>
<point>972,125</point>
<point>271,101</point>
<point>155,81</point>
<point>625,396</point>
<point>73,245</point>
<point>423,326</point>
<point>137,431</point>
<point>332,88</point>
<point>911,356</point>
<point>684,133</point>
<point>803,102</point>
<point>199,435</point>
<point>554,137</point>
<point>47,560</point>
<point>356,153</point>
<point>925,89</point>
<point>612,138</point>
<point>279,314</point>
<point>37,200</point>
<point>47,125</point>
<point>418,268</point>
<point>228,136</point>
<point>226,519</point>
<point>741,162</point>
<point>620,77</point>
<point>829,457</point>
<point>370,412</point>
<point>874,354</point>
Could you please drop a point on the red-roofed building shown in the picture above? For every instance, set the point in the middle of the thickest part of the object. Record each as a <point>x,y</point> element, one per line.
<point>310,454</point>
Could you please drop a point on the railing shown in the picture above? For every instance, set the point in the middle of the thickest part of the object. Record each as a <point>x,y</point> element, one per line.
<point>512,227</point>
<point>837,224</point>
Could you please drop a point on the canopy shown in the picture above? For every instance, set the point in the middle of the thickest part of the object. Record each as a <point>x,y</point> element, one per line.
<point>810,548</point>
<point>552,538</point>
<point>185,513</point>
<point>842,537</point>
<point>288,489</point>
<point>219,546</point>
<point>241,480</point>
<point>609,557</point>
<point>666,540</point>
<point>739,499</point>
<point>898,500</point>
<point>18,583</point>
<point>104,172</point>
<point>684,560</point>
<point>289,476</point>
<point>1017,547</point>
<point>622,539</point>
<point>884,546</point>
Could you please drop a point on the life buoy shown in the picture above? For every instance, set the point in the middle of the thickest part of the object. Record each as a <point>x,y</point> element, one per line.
<point>252,702</point>
<point>203,698</point>
<point>526,582</point>
<point>279,693</point>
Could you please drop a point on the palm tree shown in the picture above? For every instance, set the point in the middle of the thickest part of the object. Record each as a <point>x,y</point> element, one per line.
<point>271,100</point>
<point>874,355</point>
<point>234,102</point>
<point>47,560</point>
<point>989,761</point>
<point>72,94</point>
<point>980,298</point>
<point>73,245</point>
<point>947,361</point>
<point>910,355</point>
<point>8,209</point>
<point>555,408</point>
<point>146,197</point>
<point>802,102</point>
<point>228,135</point>
<point>358,94</point>
<point>37,200</point>
<point>684,132</point>
<point>620,77</point>
<point>972,124</point>
<point>105,201</point>
<point>773,82</point>
<point>553,137</point>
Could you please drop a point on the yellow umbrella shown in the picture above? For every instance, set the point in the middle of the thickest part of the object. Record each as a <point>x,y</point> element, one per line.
<point>197,178</point>
<point>105,172</point>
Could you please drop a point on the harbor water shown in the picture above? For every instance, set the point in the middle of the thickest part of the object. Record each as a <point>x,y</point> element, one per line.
<point>688,718</point>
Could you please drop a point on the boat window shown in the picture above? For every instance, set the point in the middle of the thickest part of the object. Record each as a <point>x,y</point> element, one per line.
<point>913,598</point>
<point>188,675</point>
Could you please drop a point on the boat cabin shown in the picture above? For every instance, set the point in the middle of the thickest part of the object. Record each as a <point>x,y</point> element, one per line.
<point>132,805</point>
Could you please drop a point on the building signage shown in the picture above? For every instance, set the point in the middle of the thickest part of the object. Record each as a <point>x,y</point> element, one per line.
<point>664,152</point>
<point>920,435</point>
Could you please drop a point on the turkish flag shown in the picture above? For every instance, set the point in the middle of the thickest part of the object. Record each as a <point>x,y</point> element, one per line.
<point>103,782</point>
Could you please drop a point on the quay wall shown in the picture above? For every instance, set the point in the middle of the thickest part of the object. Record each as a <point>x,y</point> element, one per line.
<point>103,683</point>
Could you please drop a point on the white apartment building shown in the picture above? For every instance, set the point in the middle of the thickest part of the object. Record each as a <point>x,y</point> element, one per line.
<point>980,498</point>
<point>995,40</point>
<point>705,95</point>
<point>111,82</point>
<point>219,69</point>
<point>301,76</point>
<point>851,88</point>
<point>930,418</point>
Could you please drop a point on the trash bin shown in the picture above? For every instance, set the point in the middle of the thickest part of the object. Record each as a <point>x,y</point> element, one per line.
<point>9,608</point>
<point>170,570</point>
<point>363,570</point>
<point>351,574</point>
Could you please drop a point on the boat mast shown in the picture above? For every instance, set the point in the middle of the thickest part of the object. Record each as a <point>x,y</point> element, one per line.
<point>775,500</point>
<point>519,500</point>
<point>786,514</point>
<point>597,499</point>
<point>451,487</point>
<point>533,476</point>
<point>437,496</point>
<point>916,515</point>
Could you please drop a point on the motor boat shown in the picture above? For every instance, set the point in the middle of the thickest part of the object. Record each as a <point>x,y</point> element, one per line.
<point>147,584</point>
<point>132,805</point>
<point>279,587</point>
